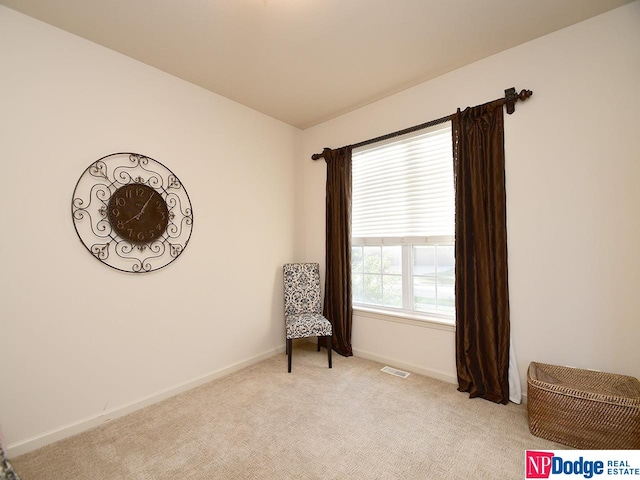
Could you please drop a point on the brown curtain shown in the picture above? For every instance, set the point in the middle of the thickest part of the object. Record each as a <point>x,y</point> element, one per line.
<point>482,292</point>
<point>337,294</point>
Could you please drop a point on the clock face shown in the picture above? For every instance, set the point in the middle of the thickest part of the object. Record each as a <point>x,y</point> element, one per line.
<point>138,213</point>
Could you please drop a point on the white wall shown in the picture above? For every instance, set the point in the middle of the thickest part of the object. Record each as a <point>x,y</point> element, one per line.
<point>82,342</point>
<point>573,196</point>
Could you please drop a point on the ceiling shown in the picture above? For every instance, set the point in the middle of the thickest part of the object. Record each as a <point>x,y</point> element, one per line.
<point>307,61</point>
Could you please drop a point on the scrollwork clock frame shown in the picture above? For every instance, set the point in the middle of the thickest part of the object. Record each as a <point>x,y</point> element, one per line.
<point>92,219</point>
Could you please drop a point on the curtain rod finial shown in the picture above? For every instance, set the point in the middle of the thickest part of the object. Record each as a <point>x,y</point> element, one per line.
<point>511,97</point>
<point>318,156</point>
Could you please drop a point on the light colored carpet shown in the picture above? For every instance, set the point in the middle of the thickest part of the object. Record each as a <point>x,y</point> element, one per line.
<point>349,422</point>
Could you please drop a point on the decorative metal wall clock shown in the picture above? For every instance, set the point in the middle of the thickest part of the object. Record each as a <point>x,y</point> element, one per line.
<point>132,213</point>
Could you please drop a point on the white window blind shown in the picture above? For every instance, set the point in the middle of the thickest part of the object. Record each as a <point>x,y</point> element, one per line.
<point>404,187</point>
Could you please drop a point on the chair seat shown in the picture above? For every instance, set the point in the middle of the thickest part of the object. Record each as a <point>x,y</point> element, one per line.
<point>307,325</point>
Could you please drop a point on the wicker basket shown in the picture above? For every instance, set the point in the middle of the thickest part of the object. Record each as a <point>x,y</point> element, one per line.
<point>582,408</point>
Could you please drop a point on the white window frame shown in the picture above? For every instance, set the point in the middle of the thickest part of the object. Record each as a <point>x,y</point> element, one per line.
<point>407,311</point>
<point>406,314</point>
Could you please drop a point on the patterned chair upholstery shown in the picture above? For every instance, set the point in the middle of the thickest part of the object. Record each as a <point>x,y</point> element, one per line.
<point>6,470</point>
<point>303,306</point>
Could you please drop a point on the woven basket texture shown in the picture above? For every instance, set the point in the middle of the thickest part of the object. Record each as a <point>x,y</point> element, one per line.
<point>582,408</point>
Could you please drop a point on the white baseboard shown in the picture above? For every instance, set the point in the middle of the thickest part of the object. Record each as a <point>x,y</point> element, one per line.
<point>445,377</point>
<point>417,369</point>
<point>25,446</point>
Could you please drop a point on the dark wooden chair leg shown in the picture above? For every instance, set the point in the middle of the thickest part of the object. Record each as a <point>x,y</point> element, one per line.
<point>319,343</point>
<point>289,349</point>
<point>329,350</point>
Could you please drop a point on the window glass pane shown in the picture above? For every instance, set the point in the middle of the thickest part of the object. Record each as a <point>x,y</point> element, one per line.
<point>424,294</point>
<point>372,259</point>
<point>392,290</point>
<point>373,289</point>
<point>446,298</point>
<point>356,259</point>
<point>357,288</point>
<point>424,260</point>
<point>446,262</point>
<point>392,259</point>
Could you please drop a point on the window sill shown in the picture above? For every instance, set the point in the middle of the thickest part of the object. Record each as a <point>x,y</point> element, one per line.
<point>406,318</point>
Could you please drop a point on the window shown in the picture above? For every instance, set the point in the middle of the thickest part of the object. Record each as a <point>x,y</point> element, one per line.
<point>402,248</point>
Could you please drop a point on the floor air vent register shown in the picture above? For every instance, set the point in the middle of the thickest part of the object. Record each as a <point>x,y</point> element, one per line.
<point>396,372</point>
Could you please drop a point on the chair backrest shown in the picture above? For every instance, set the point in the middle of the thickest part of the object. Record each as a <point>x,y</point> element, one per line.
<point>302,288</point>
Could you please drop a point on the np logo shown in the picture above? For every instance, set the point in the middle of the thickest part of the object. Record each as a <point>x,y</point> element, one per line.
<point>538,464</point>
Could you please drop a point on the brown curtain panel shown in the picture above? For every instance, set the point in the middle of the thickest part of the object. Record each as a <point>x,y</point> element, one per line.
<point>482,293</point>
<point>337,292</point>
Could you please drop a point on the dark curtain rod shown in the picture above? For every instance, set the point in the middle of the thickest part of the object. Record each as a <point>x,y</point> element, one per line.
<point>510,99</point>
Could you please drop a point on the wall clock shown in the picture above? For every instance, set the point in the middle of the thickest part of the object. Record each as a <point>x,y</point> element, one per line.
<point>132,213</point>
